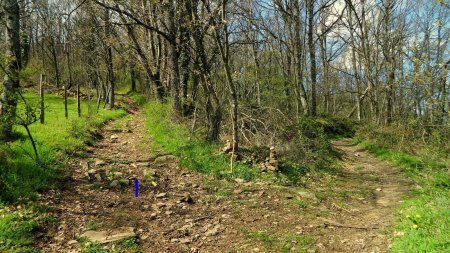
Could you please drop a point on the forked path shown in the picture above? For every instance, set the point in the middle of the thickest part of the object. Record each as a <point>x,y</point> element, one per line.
<point>183,211</point>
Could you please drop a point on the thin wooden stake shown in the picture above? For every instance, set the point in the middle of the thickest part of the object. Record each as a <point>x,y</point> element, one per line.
<point>78,100</point>
<point>66,113</point>
<point>41,95</point>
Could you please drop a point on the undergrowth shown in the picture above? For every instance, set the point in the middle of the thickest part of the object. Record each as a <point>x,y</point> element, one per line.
<point>305,147</point>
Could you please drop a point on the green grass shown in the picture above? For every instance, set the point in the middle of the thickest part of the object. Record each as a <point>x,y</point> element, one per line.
<point>194,152</point>
<point>122,246</point>
<point>91,225</point>
<point>17,229</point>
<point>264,237</point>
<point>218,187</point>
<point>138,98</point>
<point>423,220</point>
<point>300,203</point>
<point>22,177</point>
<point>59,133</point>
<point>286,242</point>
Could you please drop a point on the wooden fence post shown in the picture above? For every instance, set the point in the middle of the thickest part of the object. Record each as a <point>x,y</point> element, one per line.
<point>66,113</point>
<point>41,94</point>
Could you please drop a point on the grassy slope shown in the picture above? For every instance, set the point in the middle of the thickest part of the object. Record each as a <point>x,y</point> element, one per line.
<point>195,153</point>
<point>23,177</point>
<point>423,220</point>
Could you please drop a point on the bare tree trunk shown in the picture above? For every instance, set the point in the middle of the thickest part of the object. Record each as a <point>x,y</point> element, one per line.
<point>11,80</point>
<point>150,76</point>
<point>25,28</point>
<point>213,106</point>
<point>133,75</point>
<point>109,60</point>
<point>55,61</point>
<point>445,110</point>
<point>185,53</point>
<point>354,67</point>
<point>389,56</point>
<point>69,62</point>
<point>174,59</point>
<point>324,56</point>
<point>312,56</point>
<point>299,58</point>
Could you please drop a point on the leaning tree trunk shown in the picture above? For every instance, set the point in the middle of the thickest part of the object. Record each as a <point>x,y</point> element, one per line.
<point>11,81</point>
<point>203,71</point>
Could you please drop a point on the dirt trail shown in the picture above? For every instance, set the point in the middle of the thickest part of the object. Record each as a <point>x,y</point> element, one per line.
<point>363,223</point>
<point>183,211</point>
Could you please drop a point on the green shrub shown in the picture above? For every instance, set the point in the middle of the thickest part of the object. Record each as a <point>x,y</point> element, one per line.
<point>412,136</point>
<point>306,146</point>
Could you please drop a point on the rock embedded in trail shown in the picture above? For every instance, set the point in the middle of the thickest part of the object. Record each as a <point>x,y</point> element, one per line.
<point>161,195</point>
<point>91,174</point>
<point>150,173</point>
<point>288,196</point>
<point>85,165</point>
<point>213,231</point>
<point>124,182</point>
<point>107,236</point>
<point>142,164</point>
<point>165,159</point>
<point>307,195</point>
<point>185,240</point>
<point>114,184</point>
<point>97,175</point>
<point>153,216</point>
<point>187,198</point>
<point>239,180</point>
<point>99,162</point>
<point>116,175</point>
